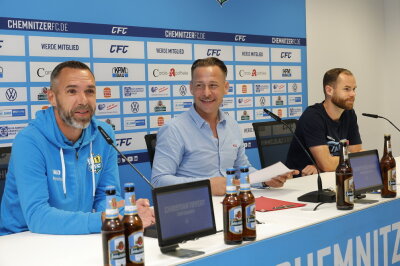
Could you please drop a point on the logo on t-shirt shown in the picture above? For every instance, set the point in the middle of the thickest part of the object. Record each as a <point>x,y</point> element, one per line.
<point>334,146</point>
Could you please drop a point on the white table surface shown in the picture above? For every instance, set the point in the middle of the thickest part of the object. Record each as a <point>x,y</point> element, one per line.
<point>38,249</point>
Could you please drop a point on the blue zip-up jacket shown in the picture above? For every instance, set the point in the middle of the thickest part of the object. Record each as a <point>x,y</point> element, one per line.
<point>50,186</point>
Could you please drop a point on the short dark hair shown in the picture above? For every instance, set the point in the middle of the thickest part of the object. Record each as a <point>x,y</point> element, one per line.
<point>332,75</point>
<point>210,61</point>
<point>71,64</point>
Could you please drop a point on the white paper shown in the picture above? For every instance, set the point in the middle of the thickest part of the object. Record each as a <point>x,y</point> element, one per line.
<point>268,173</point>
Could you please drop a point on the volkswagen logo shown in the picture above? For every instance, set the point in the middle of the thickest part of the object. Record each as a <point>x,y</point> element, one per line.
<point>294,87</point>
<point>11,94</point>
<point>183,90</point>
<point>135,107</point>
<point>262,101</point>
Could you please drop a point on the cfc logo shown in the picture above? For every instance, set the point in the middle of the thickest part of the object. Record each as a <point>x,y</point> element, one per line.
<point>240,38</point>
<point>286,55</point>
<point>119,30</point>
<point>124,141</point>
<point>213,52</point>
<point>119,49</point>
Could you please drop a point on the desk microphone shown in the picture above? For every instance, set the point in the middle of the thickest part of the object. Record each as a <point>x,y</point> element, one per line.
<point>378,116</point>
<point>110,141</point>
<point>321,195</point>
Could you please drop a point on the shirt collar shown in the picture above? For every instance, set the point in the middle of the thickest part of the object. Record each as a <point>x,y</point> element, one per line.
<point>199,121</point>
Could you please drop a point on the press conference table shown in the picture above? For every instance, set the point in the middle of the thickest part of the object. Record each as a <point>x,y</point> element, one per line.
<point>288,236</point>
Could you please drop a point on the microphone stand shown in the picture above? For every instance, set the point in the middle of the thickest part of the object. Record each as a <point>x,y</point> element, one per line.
<point>378,116</point>
<point>110,141</point>
<point>320,195</point>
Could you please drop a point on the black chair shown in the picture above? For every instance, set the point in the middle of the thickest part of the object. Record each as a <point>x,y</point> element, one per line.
<point>5,153</point>
<point>151,141</point>
<point>273,140</point>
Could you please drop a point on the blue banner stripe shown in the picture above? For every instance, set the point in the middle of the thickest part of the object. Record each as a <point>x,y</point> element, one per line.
<point>133,31</point>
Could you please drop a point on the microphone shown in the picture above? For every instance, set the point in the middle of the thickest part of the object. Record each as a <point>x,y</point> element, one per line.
<point>378,116</point>
<point>321,195</point>
<point>110,141</point>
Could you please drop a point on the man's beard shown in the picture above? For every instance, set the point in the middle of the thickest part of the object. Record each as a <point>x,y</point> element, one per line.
<point>68,118</point>
<point>342,103</point>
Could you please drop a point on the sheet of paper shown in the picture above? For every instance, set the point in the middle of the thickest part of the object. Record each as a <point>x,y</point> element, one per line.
<point>268,173</point>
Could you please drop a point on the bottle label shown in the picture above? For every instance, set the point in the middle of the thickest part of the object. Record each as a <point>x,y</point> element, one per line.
<point>136,247</point>
<point>392,180</point>
<point>244,178</point>
<point>130,203</point>
<point>250,211</point>
<point>116,249</point>
<point>235,220</point>
<point>244,187</point>
<point>231,190</point>
<point>389,146</point>
<point>349,190</point>
<point>111,207</point>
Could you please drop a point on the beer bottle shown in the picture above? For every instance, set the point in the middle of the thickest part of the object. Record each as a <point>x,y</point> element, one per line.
<point>133,228</point>
<point>344,180</point>
<point>388,168</point>
<point>232,211</point>
<point>248,205</point>
<point>112,232</point>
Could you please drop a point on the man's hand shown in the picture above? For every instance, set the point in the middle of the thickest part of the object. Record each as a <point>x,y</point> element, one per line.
<point>278,181</point>
<point>218,185</point>
<point>309,170</point>
<point>120,204</point>
<point>146,213</point>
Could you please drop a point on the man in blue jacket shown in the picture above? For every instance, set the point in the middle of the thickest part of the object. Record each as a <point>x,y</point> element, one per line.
<point>60,164</point>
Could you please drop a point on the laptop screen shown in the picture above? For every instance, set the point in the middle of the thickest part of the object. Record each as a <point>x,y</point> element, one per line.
<point>366,171</point>
<point>183,212</point>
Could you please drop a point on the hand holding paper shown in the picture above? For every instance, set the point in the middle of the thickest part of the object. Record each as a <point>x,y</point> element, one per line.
<point>266,174</point>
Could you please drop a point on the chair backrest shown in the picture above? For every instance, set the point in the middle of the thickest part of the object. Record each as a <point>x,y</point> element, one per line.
<point>151,141</point>
<point>5,153</point>
<point>273,140</point>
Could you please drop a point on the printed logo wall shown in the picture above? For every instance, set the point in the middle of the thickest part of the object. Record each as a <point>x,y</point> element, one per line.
<point>143,74</point>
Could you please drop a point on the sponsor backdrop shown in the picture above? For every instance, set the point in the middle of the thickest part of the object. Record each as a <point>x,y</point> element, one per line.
<point>142,64</point>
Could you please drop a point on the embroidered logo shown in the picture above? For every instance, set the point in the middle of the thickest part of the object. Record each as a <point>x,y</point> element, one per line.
<point>97,163</point>
<point>57,175</point>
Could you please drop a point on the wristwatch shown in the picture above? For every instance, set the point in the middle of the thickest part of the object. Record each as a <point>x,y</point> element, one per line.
<point>265,185</point>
